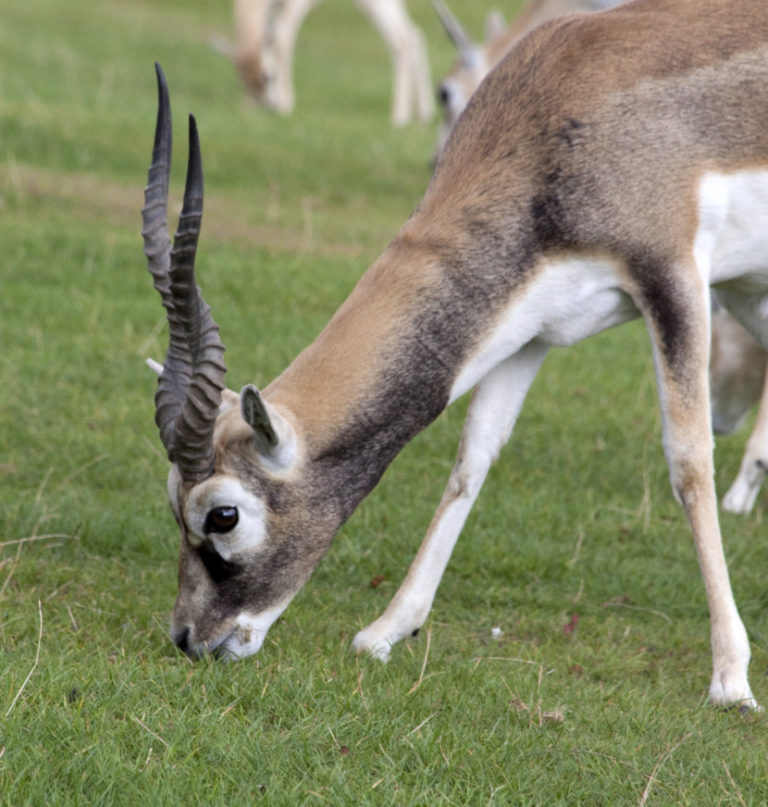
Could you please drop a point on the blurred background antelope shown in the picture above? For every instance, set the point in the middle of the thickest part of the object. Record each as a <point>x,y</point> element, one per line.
<point>266,32</point>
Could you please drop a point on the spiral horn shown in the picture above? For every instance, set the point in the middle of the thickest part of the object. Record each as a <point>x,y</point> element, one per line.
<point>190,386</point>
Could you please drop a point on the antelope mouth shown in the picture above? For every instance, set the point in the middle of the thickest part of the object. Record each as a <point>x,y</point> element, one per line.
<point>248,635</point>
<point>242,641</point>
<point>197,650</point>
<point>239,643</point>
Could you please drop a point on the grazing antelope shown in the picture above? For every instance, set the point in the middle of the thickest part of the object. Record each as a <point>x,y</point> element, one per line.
<point>474,60</point>
<point>613,165</point>
<point>266,32</point>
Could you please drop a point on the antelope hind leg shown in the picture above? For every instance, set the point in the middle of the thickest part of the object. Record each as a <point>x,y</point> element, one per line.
<point>752,312</point>
<point>741,496</point>
<point>681,367</point>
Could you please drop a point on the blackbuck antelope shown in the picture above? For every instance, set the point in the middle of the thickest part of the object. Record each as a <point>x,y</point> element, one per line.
<point>266,32</point>
<point>613,165</point>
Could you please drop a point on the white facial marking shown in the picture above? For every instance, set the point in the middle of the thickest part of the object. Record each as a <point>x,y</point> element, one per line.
<point>226,491</point>
<point>250,632</point>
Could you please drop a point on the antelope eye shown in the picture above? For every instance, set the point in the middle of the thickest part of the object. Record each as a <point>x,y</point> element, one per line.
<point>221,519</point>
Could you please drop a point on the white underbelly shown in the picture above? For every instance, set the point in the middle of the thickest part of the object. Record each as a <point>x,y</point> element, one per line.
<point>568,300</point>
<point>571,298</point>
<point>731,244</point>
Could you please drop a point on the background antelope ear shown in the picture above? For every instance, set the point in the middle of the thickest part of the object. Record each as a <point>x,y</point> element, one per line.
<point>272,433</point>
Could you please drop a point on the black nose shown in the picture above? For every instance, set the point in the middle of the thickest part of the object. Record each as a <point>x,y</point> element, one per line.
<point>182,640</point>
<point>443,95</point>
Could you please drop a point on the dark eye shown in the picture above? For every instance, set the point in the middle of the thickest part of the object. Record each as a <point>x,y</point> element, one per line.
<point>221,519</point>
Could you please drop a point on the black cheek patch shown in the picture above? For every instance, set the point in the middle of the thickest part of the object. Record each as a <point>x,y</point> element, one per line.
<point>218,568</point>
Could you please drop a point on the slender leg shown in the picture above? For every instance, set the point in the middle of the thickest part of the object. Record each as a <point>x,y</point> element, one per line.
<point>410,65</point>
<point>281,94</point>
<point>752,312</point>
<point>494,408</point>
<point>741,496</point>
<point>250,22</point>
<point>681,347</point>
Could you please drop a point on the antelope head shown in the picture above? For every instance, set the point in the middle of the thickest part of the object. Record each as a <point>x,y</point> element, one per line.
<point>234,457</point>
<point>471,65</point>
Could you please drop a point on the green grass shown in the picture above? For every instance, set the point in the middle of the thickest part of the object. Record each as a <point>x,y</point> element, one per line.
<point>96,706</point>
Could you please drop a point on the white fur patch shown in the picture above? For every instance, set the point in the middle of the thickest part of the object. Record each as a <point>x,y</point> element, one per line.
<point>575,297</point>
<point>732,239</point>
<point>226,491</point>
<point>568,300</point>
<point>250,632</point>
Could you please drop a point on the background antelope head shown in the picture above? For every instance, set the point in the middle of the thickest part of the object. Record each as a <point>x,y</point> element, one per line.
<point>267,31</point>
<point>475,59</point>
<point>232,483</point>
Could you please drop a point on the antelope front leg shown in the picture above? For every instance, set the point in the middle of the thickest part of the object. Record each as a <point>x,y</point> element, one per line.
<point>681,365</point>
<point>287,22</point>
<point>492,413</point>
<point>741,496</point>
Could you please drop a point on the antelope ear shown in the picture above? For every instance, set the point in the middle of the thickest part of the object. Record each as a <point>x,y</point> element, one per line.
<point>273,435</point>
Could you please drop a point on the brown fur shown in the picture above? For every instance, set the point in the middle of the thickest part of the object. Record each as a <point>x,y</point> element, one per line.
<point>474,61</point>
<point>588,139</point>
<point>621,115</point>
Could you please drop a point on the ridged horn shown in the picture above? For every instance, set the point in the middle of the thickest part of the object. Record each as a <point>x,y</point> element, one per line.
<point>190,387</point>
<point>453,28</point>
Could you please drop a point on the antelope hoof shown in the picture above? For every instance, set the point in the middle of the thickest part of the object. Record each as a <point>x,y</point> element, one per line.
<point>373,643</point>
<point>740,498</point>
<point>728,696</point>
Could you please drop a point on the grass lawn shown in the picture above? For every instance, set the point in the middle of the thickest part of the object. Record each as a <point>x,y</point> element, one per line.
<point>591,691</point>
